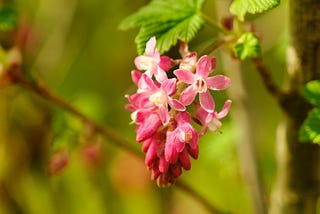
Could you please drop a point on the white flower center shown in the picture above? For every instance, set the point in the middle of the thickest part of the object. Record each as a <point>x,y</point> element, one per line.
<point>185,136</point>
<point>147,62</point>
<point>200,85</point>
<point>159,98</point>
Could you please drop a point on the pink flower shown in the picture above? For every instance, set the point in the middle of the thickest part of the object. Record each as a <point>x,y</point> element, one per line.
<point>152,63</point>
<point>147,123</point>
<point>177,140</point>
<point>189,62</point>
<point>160,96</point>
<point>212,120</point>
<point>200,83</point>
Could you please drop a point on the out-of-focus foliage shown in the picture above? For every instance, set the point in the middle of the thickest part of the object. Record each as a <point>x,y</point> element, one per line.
<point>8,19</point>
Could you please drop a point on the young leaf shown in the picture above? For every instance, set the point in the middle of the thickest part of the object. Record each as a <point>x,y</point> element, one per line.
<point>241,7</point>
<point>248,45</point>
<point>310,130</point>
<point>8,19</point>
<point>168,20</point>
<point>312,92</point>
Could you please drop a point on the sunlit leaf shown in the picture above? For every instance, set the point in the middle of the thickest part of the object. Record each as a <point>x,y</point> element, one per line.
<point>241,7</point>
<point>310,130</point>
<point>168,20</point>
<point>247,46</point>
<point>312,92</point>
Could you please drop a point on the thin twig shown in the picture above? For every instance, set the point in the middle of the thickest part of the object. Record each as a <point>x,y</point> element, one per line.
<point>104,131</point>
<point>217,44</point>
<point>266,77</point>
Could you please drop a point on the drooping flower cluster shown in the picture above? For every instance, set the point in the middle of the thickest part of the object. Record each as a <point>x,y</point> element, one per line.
<point>159,108</point>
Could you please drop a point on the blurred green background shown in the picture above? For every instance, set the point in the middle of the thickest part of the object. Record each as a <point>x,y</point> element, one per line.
<point>76,48</point>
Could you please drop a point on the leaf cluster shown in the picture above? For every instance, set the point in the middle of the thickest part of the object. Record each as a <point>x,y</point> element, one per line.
<point>310,130</point>
<point>247,46</point>
<point>168,20</point>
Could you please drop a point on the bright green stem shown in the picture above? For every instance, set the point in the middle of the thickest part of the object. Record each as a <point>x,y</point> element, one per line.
<point>213,24</point>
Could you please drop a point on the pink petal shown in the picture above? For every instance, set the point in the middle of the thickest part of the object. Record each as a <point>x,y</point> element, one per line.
<point>146,82</point>
<point>147,128</point>
<point>218,82</point>
<point>136,75</point>
<point>146,144</point>
<point>185,160</point>
<point>169,86</point>
<point>165,63</point>
<point>170,152</point>
<point>150,46</point>
<point>163,165</point>
<point>194,140</point>
<point>179,146</point>
<point>143,62</point>
<point>201,114</point>
<point>185,75</point>
<point>183,48</point>
<point>189,62</point>
<point>177,105</point>
<point>225,109</point>
<point>188,95</point>
<point>193,152</point>
<point>160,75</point>
<point>183,117</point>
<point>164,115</point>
<point>204,66</point>
<point>206,101</point>
<point>151,155</point>
<point>155,174</point>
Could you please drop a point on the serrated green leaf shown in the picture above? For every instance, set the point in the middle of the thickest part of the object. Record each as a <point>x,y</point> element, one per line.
<point>168,20</point>
<point>312,92</point>
<point>8,19</point>
<point>247,46</point>
<point>241,7</point>
<point>169,33</point>
<point>310,130</point>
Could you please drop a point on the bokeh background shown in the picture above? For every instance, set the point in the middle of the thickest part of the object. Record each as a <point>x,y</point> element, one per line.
<point>50,164</point>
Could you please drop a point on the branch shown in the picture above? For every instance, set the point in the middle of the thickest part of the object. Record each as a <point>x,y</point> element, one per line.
<point>42,91</point>
<point>266,77</point>
<point>218,43</point>
<point>185,187</point>
<point>109,134</point>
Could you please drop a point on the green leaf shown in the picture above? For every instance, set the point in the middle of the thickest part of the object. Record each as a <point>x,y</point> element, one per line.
<point>248,45</point>
<point>241,7</point>
<point>310,130</point>
<point>168,20</point>
<point>312,92</point>
<point>8,19</point>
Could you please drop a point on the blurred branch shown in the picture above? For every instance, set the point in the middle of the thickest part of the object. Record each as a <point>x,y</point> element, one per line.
<point>266,77</point>
<point>185,187</point>
<point>39,89</point>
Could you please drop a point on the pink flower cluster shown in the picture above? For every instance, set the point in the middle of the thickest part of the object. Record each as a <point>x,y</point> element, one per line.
<point>159,108</point>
